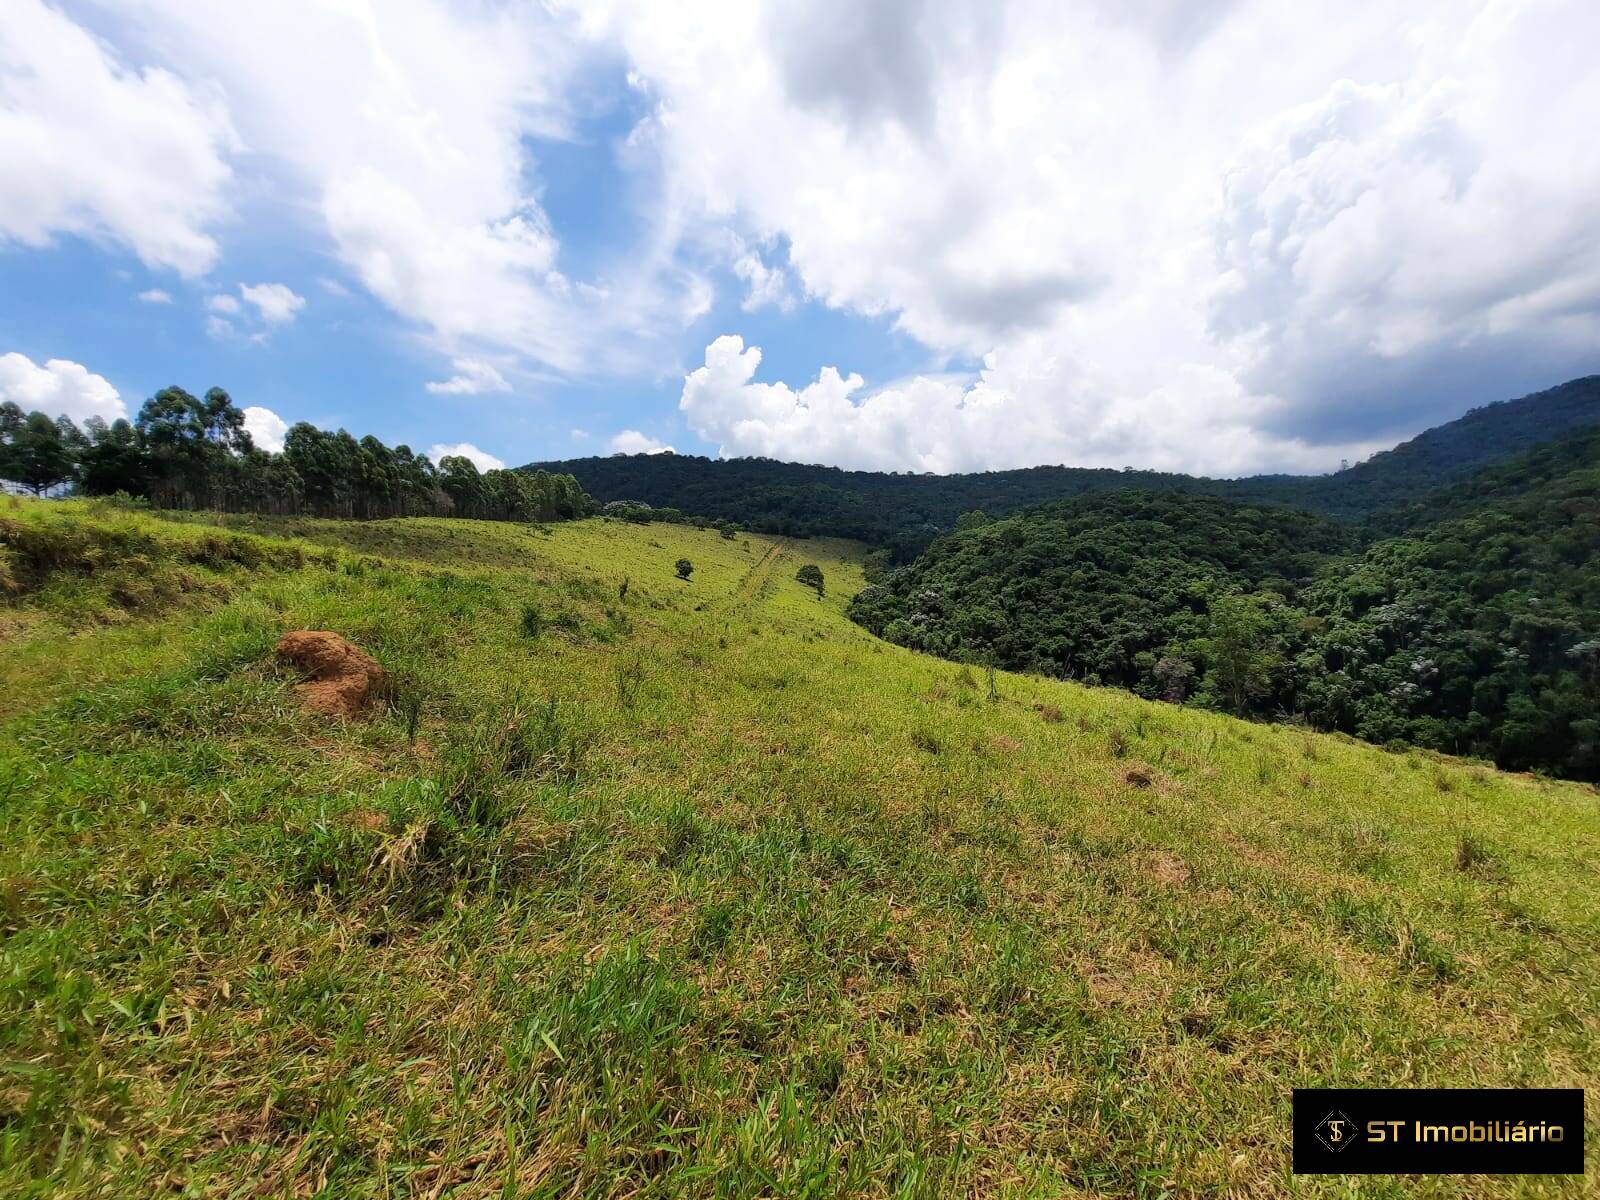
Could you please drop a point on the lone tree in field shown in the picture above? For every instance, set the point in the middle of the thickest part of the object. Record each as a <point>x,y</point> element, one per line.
<point>685,569</point>
<point>811,576</point>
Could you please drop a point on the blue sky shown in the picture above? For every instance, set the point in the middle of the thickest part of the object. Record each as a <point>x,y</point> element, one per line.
<point>916,235</point>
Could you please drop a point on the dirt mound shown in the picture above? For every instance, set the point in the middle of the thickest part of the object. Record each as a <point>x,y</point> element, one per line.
<point>1169,869</point>
<point>341,680</point>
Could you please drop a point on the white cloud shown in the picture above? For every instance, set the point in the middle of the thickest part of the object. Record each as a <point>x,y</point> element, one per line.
<point>577,434</point>
<point>266,428</point>
<point>406,134</point>
<point>155,296</point>
<point>97,149</point>
<point>1388,240</point>
<point>1025,407</point>
<point>481,459</point>
<point>275,303</point>
<point>59,388</point>
<point>1394,212</point>
<point>764,284</point>
<point>631,441</point>
<point>472,377</point>
<point>223,303</point>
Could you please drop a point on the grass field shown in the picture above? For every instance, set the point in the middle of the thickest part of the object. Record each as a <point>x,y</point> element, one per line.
<point>702,891</point>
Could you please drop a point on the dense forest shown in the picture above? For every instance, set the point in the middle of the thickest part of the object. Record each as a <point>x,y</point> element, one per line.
<point>1467,620</point>
<point>190,452</point>
<point>903,513</point>
<point>1097,587</point>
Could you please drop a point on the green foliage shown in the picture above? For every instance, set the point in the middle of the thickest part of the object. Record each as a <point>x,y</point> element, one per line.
<point>684,568</point>
<point>1104,586</point>
<point>811,575</point>
<point>1476,634</point>
<point>35,451</point>
<point>533,620</point>
<point>1241,650</point>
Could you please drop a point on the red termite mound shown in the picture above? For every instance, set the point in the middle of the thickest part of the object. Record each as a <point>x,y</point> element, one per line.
<point>341,681</point>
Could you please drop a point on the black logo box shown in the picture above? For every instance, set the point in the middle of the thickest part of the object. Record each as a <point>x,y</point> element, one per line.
<point>1438,1131</point>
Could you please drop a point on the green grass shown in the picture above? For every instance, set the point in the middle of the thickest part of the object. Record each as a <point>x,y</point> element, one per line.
<point>703,891</point>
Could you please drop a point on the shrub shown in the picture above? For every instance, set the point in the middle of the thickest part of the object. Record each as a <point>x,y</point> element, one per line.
<point>811,576</point>
<point>685,568</point>
<point>532,621</point>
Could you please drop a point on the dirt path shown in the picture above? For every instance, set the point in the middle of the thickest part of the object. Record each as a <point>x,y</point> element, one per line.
<point>757,577</point>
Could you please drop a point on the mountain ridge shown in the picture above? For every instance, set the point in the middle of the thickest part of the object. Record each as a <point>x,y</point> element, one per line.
<point>903,511</point>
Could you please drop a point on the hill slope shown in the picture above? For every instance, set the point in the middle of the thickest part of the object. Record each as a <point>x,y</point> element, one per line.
<point>702,889</point>
<point>1472,628</point>
<point>904,512</point>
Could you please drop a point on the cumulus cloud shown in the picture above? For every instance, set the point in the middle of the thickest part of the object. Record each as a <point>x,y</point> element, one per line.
<point>1373,227</point>
<point>60,388</point>
<point>98,149</point>
<point>1389,245</point>
<point>223,303</point>
<point>631,441</point>
<point>481,459</point>
<point>408,133</point>
<point>155,296</point>
<point>275,303</point>
<point>266,428</point>
<point>472,377</point>
<point>1026,406</point>
<point>764,285</point>
<point>1393,213</point>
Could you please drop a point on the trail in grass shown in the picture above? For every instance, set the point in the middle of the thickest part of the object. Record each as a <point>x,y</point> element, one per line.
<point>756,581</point>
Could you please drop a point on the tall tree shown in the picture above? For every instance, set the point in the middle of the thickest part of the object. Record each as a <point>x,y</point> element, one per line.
<point>1241,650</point>
<point>37,452</point>
<point>114,460</point>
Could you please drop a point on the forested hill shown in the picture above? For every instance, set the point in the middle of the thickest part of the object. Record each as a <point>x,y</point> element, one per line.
<point>1474,628</point>
<point>906,511</point>
<point>1439,456</point>
<point>903,512</point>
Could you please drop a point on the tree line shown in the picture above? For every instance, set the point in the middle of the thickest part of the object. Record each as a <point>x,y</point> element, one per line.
<point>189,452</point>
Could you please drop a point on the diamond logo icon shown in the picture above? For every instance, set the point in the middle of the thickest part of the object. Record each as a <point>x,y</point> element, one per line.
<point>1336,1131</point>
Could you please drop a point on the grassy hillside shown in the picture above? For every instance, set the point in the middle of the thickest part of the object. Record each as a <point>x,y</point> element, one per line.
<point>702,890</point>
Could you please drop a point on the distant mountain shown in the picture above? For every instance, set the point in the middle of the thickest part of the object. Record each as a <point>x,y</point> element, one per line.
<point>904,512</point>
<point>1449,452</point>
